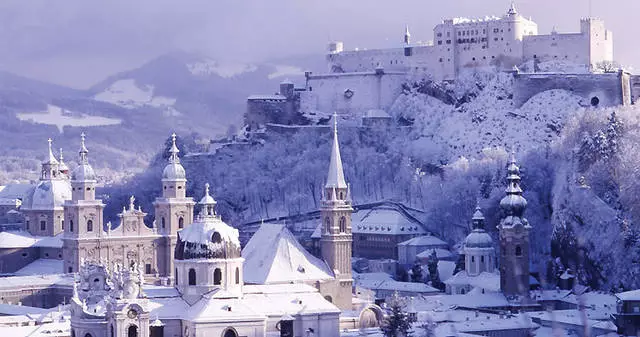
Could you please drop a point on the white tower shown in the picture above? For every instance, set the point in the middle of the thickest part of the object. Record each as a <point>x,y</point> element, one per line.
<point>174,209</point>
<point>207,256</point>
<point>83,214</point>
<point>336,241</point>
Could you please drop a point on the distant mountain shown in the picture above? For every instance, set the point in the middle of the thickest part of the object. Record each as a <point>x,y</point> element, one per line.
<point>128,115</point>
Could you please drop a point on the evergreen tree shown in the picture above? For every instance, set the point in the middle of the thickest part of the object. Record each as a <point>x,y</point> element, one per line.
<point>402,275</point>
<point>398,323</point>
<point>434,274</point>
<point>416,272</point>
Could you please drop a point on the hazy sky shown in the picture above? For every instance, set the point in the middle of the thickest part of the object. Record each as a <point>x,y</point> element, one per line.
<point>79,42</point>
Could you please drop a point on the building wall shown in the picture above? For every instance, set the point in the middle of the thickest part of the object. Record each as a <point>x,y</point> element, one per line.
<point>610,88</point>
<point>378,246</point>
<point>351,94</point>
<point>407,253</point>
<point>52,219</point>
<point>14,259</point>
<point>572,48</point>
<point>38,297</point>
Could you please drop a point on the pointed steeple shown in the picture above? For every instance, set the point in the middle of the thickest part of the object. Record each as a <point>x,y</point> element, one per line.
<point>173,158</point>
<point>335,178</point>
<point>407,35</point>
<point>51,158</point>
<point>83,150</point>
<point>512,9</point>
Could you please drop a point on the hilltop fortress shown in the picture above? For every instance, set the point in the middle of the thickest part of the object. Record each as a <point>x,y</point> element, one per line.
<point>366,83</point>
<point>461,43</point>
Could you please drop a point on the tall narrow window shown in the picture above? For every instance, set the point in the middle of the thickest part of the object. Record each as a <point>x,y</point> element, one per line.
<point>132,331</point>
<point>181,222</point>
<point>343,225</point>
<point>43,225</point>
<point>176,276</point>
<point>192,277</point>
<point>518,251</point>
<point>327,225</point>
<point>237,275</point>
<point>71,226</point>
<point>163,222</point>
<point>217,276</point>
<point>147,268</point>
<point>62,224</point>
<point>89,225</point>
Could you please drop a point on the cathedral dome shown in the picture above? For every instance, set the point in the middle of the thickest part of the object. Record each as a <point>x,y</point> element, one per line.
<point>478,239</point>
<point>47,195</point>
<point>208,237</point>
<point>174,171</point>
<point>84,172</point>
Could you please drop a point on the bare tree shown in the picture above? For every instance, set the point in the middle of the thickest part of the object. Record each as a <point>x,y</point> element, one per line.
<point>608,66</point>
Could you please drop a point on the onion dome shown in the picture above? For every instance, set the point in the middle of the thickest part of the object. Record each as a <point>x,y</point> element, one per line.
<point>513,204</point>
<point>478,238</point>
<point>174,170</point>
<point>84,171</point>
<point>208,237</point>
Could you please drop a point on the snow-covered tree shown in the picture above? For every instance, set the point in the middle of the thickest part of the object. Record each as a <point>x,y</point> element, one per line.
<point>398,322</point>
<point>416,272</point>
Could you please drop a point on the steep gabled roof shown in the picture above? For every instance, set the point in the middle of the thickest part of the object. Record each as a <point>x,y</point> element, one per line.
<point>273,255</point>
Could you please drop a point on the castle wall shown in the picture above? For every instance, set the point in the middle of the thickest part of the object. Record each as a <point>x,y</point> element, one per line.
<point>635,89</point>
<point>572,48</point>
<point>351,94</point>
<point>607,88</point>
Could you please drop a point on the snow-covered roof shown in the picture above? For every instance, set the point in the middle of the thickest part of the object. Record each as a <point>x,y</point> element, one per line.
<point>445,269</point>
<point>372,276</point>
<point>633,295</point>
<point>440,253</point>
<point>22,239</point>
<point>485,280</point>
<point>41,267</point>
<point>273,255</point>
<point>277,97</point>
<point>377,113</point>
<point>19,282</point>
<point>384,220</point>
<point>446,302</point>
<point>47,195</point>
<point>209,237</point>
<point>16,190</point>
<point>424,240</point>
<point>392,285</point>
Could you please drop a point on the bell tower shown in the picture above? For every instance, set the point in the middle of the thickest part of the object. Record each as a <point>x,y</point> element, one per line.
<point>514,237</point>
<point>83,214</point>
<point>173,210</point>
<point>336,241</point>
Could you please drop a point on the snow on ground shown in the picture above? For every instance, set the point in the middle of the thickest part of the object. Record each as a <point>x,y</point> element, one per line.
<point>59,117</point>
<point>224,70</point>
<point>284,70</point>
<point>129,95</point>
<point>488,120</point>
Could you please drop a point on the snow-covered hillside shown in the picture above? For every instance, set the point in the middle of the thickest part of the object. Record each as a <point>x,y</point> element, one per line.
<point>127,94</point>
<point>60,118</point>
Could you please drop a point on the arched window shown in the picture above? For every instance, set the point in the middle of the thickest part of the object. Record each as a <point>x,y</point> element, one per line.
<point>473,259</point>
<point>482,258</point>
<point>71,226</point>
<point>216,238</point>
<point>181,222</point>
<point>518,251</point>
<point>192,277</point>
<point>343,225</point>
<point>327,224</point>
<point>217,276</point>
<point>329,299</point>
<point>88,335</point>
<point>176,276</point>
<point>89,226</point>
<point>132,331</point>
<point>112,333</point>
<point>237,275</point>
<point>73,333</point>
<point>62,224</point>
<point>163,222</point>
<point>230,332</point>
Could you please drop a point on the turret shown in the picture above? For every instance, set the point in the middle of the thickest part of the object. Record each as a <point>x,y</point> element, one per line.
<point>407,35</point>
<point>83,179</point>
<point>478,247</point>
<point>50,166</point>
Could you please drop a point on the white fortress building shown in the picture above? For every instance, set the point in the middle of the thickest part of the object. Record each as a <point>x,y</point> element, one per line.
<point>461,43</point>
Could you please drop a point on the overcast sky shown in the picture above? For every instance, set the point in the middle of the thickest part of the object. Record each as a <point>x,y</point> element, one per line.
<point>79,42</point>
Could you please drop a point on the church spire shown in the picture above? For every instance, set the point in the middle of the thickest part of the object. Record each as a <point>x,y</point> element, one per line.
<point>512,9</point>
<point>83,150</point>
<point>173,158</point>
<point>407,35</point>
<point>513,204</point>
<point>478,218</point>
<point>207,203</point>
<point>335,178</point>
<point>51,159</point>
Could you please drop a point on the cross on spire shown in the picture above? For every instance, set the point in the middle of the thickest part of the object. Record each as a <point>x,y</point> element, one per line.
<point>52,158</point>
<point>174,159</point>
<point>83,150</point>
